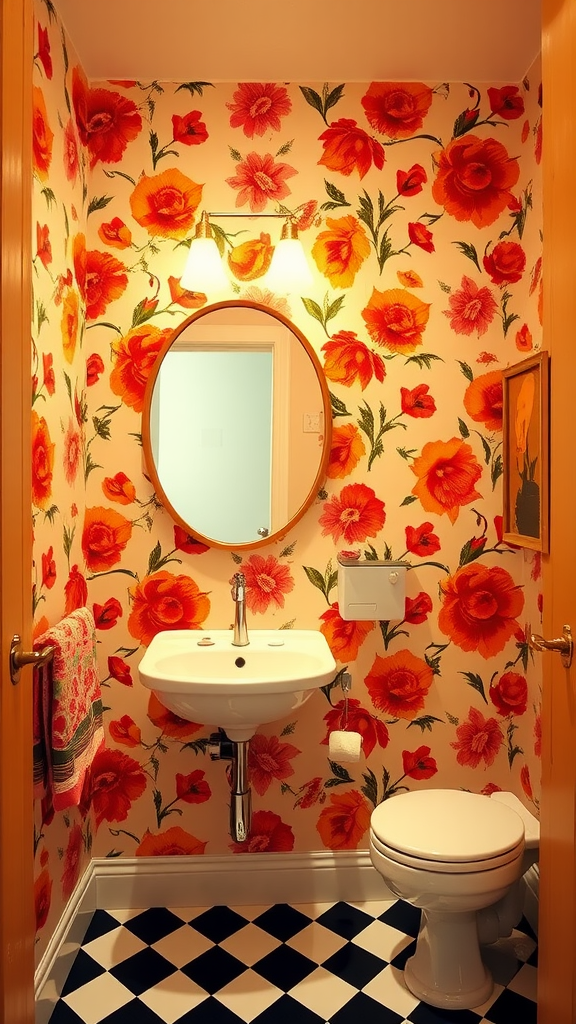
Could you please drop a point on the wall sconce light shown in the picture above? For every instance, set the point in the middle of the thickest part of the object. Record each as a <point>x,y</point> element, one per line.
<point>204,272</point>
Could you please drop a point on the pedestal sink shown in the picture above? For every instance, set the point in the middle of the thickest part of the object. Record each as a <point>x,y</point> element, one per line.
<point>204,678</point>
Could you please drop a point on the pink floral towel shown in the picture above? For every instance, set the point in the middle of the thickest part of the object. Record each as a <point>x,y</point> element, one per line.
<point>68,727</point>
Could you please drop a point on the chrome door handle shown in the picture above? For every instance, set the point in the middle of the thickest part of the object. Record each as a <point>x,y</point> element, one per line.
<point>19,658</point>
<point>563,644</point>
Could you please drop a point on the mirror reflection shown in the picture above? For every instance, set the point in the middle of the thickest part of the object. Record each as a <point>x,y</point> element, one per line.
<point>236,424</point>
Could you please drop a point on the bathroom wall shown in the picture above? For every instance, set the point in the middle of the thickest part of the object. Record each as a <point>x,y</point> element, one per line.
<point>419,208</point>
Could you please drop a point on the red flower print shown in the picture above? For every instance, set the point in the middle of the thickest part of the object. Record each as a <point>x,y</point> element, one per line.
<point>409,183</point>
<point>353,515</point>
<point>535,276</point>
<point>119,670</point>
<point>115,234</point>
<point>135,355</point>
<point>346,450</point>
<point>267,582</point>
<point>104,537</point>
<point>420,540</point>
<point>165,601</point>
<point>48,569</point>
<point>510,694</point>
<point>48,370</point>
<point>166,203</point>
<point>174,842</point>
<point>42,462</point>
<point>75,591</point>
<point>506,263</point>
<point>479,739</point>
<point>396,319</point>
<point>106,615</point>
<point>371,729</point>
<point>447,472</point>
<point>523,339</point>
<point>183,296</point>
<point>71,159</point>
<point>480,608</point>
<point>344,638</point>
<point>258,179</point>
<point>193,788</point>
<point>421,236</point>
<point>115,780</point>
<point>106,280</point>
<point>125,731</point>
<point>72,452</point>
<point>490,788</point>
<point>525,781</point>
<point>42,135</point>
<point>349,361</point>
<point>42,898</point>
<point>487,358</point>
<point>344,821</point>
<point>349,148</point>
<point>398,684</point>
<point>483,399</point>
<point>474,179</point>
<point>311,792</point>
<point>397,109</point>
<point>106,120</point>
<point>186,542</point>
<point>418,764</point>
<point>43,246</point>
<point>72,861</point>
<point>258,106</point>
<point>94,367</point>
<point>119,488</point>
<point>44,51</point>
<point>418,608</point>
<point>268,834</point>
<point>269,759</point>
<point>170,724</point>
<point>471,308</point>
<point>190,129</point>
<point>538,735</point>
<point>417,402</point>
<point>507,102</point>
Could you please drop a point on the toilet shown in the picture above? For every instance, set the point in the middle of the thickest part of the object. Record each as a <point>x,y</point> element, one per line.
<point>460,857</point>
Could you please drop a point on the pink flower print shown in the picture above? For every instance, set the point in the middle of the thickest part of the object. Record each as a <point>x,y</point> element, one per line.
<point>258,179</point>
<point>471,308</point>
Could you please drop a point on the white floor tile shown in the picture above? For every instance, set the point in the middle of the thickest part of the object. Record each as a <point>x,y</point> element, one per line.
<point>316,942</point>
<point>182,946</point>
<point>484,1007</point>
<point>250,944</point>
<point>99,998</point>
<point>111,949</point>
<point>524,983</point>
<point>376,907</point>
<point>389,988</point>
<point>323,993</point>
<point>248,995</point>
<point>383,940</point>
<point>174,997</point>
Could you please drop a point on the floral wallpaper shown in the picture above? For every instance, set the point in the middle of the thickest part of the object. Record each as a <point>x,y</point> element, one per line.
<point>418,205</point>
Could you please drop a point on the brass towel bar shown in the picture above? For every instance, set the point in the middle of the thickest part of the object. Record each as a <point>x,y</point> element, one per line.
<point>19,658</point>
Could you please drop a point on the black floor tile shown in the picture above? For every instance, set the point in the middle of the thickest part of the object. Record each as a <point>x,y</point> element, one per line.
<point>142,971</point>
<point>218,923</point>
<point>512,1008</point>
<point>101,923</point>
<point>282,921</point>
<point>424,1014</point>
<point>399,961</point>
<point>62,1014</point>
<point>214,969</point>
<point>355,965</point>
<point>288,1011</point>
<point>345,920</point>
<point>83,970</point>
<point>284,967</point>
<point>362,1008</point>
<point>133,1012</point>
<point>210,1012</point>
<point>404,917</point>
<point>154,924</point>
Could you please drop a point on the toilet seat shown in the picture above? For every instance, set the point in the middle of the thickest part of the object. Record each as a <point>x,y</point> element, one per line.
<point>447,831</point>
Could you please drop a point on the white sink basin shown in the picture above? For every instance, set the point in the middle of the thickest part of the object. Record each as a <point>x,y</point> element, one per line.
<point>203,678</point>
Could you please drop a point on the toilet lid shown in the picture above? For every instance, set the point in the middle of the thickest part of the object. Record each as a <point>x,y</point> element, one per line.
<point>447,825</point>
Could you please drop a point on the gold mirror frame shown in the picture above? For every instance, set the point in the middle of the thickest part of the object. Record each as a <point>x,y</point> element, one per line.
<point>326,408</point>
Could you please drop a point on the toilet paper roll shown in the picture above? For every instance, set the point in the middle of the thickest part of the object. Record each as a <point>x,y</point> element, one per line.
<point>344,746</point>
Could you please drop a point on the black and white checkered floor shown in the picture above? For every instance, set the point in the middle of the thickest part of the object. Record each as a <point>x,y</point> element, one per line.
<point>283,964</point>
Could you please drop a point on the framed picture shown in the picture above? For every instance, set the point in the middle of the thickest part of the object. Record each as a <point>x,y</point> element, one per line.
<point>525,454</point>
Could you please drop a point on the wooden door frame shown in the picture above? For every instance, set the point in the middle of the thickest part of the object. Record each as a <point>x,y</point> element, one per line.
<point>16,810</point>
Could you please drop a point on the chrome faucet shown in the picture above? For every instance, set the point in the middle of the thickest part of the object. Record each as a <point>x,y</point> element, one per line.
<point>239,598</point>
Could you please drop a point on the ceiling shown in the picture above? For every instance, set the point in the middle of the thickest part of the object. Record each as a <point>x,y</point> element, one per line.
<point>304,40</point>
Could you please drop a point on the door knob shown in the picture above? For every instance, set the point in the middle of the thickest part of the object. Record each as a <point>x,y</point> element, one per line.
<point>563,644</point>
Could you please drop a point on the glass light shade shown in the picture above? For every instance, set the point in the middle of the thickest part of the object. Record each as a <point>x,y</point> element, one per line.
<point>289,270</point>
<point>203,271</point>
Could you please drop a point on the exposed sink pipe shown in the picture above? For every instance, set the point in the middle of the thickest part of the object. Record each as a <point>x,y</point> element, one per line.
<point>221,748</point>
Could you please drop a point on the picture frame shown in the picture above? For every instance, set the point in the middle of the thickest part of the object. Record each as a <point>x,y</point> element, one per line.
<point>525,422</point>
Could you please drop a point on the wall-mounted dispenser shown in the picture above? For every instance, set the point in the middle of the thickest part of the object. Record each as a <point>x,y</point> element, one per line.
<point>371,589</point>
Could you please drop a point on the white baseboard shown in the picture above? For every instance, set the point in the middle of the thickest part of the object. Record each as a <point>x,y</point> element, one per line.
<point>531,896</point>
<point>248,878</point>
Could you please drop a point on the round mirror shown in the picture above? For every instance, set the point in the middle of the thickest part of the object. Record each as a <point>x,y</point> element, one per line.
<point>237,425</point>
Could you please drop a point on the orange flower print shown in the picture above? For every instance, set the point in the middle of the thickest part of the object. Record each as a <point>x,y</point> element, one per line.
<point>43,244</point>
<point>344,822</point>
<point>106,280</point>
<point>397,109</point>
<point>166,203</point>
<point>42,462</point>
<point>479,739</point>
<point>474,179</point>
<point>346,451</point>
<point>174,842</point>
<point>165,601</point>
<point>523,339</point>
<point>251,259</point>
<point>349,361</point>
<point>42,135</point>
<point>42,898</point>
<point>79,261</point>
<point>480,608</point>
<point>258,106</point>
<point>398,684</point>
<point>357,719</point>
<point>268,834</point>
<point>125,731</point>
<point>353,515</point>
<point>348,148</point>
<point>72,453</point>
<point>340,251</point>
<point>183,297</point>
<point>106,120</point>
<point>270,759</point>
<point>119,488</point>
<point>104,537</point>
<point>267,582</point>
<point>71,160</point>
<point>483,400</point>
<point>135,355</point>
<point>344,638</point>
<point>410,279</point>
<point>260,178</point>
<point>471,308</point>
<point>169,723</point>
<point>69,323</point>
<point>396,319</point>
<point>115,234</point>
<point>447,473</point>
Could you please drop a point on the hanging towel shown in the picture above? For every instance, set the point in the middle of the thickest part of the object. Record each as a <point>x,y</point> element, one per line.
<point>68,728</point>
